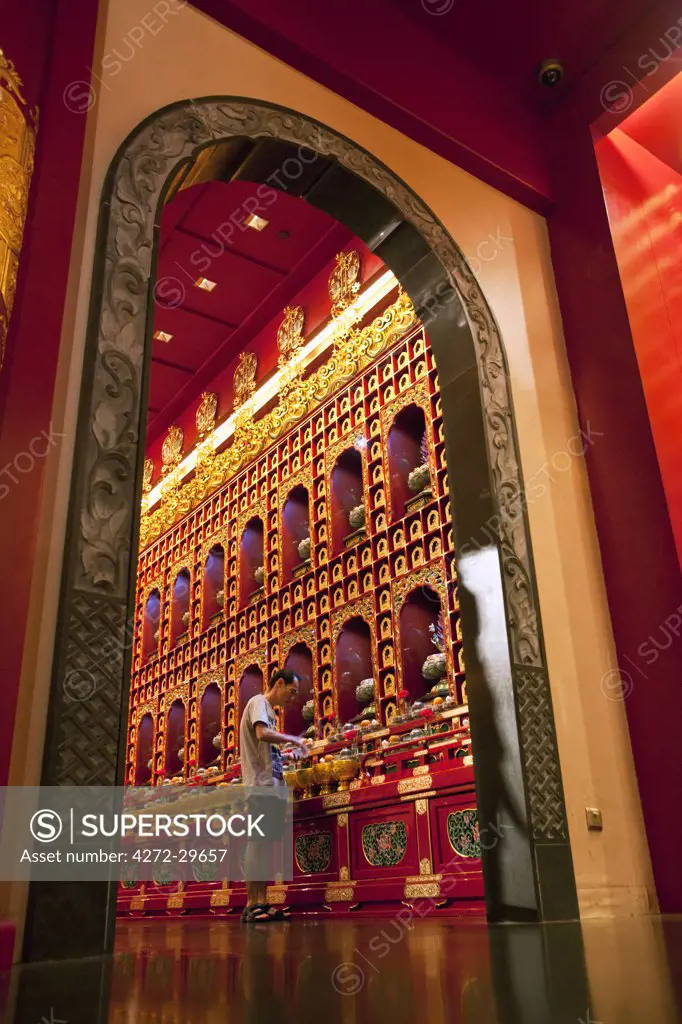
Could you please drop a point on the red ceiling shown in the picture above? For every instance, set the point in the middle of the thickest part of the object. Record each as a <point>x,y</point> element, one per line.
<point>511,40</point>
<point>657,124</point>
<point>257,275</point>
<point>460,77</point>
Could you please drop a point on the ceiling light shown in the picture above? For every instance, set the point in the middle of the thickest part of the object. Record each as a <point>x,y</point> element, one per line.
<point>269,389</point>
<point>256,222</point>
<point>162,336</point>
<point>205,284</point>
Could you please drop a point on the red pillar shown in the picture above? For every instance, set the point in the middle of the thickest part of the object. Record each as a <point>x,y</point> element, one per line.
<point>51,43</point>
<point>636,540</point>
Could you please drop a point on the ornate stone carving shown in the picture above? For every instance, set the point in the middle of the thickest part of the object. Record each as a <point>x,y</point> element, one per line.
<point>538,742</point>
<point>87,706</point>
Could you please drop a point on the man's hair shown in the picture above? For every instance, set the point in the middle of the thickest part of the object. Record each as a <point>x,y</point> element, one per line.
<point>285,674</point>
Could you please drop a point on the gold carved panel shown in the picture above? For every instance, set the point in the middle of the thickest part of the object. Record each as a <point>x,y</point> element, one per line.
<point>356,353</point>
<point>207,678</point>
<point>18,126</point>
<point>206,413</point>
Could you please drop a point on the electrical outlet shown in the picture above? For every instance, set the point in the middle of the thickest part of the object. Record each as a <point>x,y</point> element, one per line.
<point>595,822</point>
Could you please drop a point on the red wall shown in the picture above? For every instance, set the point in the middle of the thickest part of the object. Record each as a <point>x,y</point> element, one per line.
<point>636,540</point>
<point>51,42</point>
<point>644,201</point>
<point>403,71</point>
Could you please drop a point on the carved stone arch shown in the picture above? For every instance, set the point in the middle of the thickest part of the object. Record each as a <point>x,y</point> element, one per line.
<point>530,869</point>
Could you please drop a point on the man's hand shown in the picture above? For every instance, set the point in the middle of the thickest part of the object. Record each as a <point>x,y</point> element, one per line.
<point>300,745</point>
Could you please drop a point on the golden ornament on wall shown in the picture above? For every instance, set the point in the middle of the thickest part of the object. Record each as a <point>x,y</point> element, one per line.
<point>148,475</point>
<point>18,128</point>
<point>180,497</point>
<point>245,378</point>
<point>343,282</point>
<point>171,452</point>
<point>290,333</point>
<point>206,413</point>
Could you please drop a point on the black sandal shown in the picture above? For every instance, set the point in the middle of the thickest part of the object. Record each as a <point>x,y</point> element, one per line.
<point>275,914</point>
<point>257,913</point>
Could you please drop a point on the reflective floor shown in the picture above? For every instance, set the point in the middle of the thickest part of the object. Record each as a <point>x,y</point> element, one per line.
<point>350,972</point>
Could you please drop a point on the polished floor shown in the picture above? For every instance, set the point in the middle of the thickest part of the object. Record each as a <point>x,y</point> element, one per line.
<point>351,972</point>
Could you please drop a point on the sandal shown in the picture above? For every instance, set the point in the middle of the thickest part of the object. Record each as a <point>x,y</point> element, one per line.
<point>275,914</point>
<point>257,913</point>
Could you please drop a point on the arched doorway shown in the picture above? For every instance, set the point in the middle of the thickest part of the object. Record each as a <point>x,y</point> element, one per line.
<point>530,872</point>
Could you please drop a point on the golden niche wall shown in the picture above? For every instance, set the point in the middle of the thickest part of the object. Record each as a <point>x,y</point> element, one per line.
<point>18,127</point>
<point>235,588</point>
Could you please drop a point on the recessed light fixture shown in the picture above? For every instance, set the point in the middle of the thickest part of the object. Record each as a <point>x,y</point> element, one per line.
<point>256,222</point>
<point>162,336</point>
<point>205,284</point>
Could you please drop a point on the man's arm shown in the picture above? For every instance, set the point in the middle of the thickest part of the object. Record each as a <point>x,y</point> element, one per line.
<point>263,732</point>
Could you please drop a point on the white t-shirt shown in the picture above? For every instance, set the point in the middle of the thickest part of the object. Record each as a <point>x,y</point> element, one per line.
<point>261,761</point>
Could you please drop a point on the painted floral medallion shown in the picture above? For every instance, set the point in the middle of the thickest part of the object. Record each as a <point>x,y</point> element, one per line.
<point>384,843</point>
<point>313,852</point>
<point>463,832</point>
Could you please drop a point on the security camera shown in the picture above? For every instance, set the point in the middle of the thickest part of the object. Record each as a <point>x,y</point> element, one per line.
<point>550,73</point>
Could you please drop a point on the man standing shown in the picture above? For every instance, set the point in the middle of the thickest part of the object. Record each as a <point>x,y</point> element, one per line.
<point>261,764</point>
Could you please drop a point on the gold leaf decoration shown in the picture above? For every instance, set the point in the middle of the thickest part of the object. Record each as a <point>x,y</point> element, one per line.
<point>18,128</point>
<point>244,381</point>
<point>206,413</point>
<point>171,452</point>
<point>290,333</point>
<point>148,475</point>
<point>344,281</point>
<point>353,356</point>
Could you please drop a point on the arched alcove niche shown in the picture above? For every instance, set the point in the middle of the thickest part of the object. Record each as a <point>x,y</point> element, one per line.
<point>175,739</point>
<point>213,584</point>
<point>145,751</point>
<point>210,723</point>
